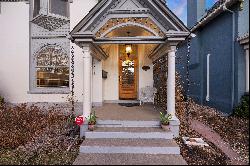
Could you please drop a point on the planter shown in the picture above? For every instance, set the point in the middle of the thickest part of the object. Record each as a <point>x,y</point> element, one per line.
<point>165,127</point>
<point>91,127</point>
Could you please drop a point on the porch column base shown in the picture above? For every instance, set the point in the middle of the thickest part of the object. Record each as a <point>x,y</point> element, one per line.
<point>83,129</point>
<point>175,126</point>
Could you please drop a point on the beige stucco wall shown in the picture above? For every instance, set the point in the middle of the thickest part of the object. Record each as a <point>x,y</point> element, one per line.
<point>145,77</point>
<point>111,87</point>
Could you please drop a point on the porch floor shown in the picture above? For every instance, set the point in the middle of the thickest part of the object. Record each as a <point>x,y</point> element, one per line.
<point>146,112</point>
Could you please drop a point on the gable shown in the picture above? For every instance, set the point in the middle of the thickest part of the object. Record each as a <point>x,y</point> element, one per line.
<point>128,5</point>
<point>162,19</point>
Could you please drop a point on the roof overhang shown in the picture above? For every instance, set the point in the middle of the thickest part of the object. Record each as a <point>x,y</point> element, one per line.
<point>162,19</point>
<point>208,17</point>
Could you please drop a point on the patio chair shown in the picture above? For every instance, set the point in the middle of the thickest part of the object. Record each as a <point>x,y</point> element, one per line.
<point>147,94</point>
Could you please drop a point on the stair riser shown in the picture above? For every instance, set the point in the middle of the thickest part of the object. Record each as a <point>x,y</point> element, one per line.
<point>114,123</point>
<point>127,135</point>
<point>131,150</point>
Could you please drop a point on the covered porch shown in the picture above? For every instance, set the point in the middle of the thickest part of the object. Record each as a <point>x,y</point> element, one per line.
<point>145,112</point>
<point>123,41</point>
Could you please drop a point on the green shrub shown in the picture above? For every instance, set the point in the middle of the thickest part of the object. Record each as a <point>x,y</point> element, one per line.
<point>243,109</point>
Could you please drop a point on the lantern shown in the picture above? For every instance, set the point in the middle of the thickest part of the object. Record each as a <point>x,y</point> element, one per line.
<point>128,49</point>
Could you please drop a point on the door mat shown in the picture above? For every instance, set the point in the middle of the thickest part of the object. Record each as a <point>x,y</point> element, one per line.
<point>129,104</point>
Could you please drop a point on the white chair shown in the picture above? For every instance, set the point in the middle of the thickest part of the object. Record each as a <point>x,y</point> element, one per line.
<point>147,94</point>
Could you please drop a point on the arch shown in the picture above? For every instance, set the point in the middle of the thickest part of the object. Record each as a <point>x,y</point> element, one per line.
<point>129,24</point>
<point>145,23</point>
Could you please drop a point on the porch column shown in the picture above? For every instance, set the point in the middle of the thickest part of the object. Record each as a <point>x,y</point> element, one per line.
<point>87,63</point>
<point>171,81</point>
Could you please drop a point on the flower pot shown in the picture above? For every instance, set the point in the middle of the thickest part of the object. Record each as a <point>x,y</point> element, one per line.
<point>165,127</point>
<point>91,127</point>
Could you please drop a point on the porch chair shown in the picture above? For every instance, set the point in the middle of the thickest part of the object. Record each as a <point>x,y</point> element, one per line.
<point>147,94</point>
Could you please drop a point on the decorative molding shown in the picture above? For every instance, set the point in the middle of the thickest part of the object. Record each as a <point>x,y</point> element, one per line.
<point>50,21</point>
<point>115,23</point>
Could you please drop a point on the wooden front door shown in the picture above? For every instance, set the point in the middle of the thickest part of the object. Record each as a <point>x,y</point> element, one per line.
<point>128,77</point>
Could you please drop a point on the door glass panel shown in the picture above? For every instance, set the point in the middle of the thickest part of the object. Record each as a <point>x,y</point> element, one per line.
<point>128,74</point>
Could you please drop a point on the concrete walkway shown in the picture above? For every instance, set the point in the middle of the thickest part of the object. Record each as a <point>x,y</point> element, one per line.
<point>128,159</point>
<point>216,139</point>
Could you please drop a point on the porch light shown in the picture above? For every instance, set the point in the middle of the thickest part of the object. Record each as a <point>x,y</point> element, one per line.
<point>128,49</point>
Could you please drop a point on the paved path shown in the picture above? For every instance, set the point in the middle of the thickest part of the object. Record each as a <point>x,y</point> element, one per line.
<point>215,138</point>
<point>128,159</point>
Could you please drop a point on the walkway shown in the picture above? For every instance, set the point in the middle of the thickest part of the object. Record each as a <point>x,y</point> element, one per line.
<point>215,138</point>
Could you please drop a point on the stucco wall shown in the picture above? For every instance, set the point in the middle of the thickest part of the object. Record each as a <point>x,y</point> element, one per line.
<point>111,87</point>
<point>145,77</point>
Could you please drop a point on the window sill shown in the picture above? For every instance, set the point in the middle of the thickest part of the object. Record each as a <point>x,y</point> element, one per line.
<point>50,91</point>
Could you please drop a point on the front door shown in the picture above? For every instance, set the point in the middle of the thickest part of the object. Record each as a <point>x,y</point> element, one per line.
<point>128,76</point>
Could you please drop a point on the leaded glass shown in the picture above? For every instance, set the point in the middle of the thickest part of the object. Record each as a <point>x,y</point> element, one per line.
<point>52,67</point>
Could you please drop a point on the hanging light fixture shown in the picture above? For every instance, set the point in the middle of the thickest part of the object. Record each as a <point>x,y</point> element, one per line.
<point>128,47</point>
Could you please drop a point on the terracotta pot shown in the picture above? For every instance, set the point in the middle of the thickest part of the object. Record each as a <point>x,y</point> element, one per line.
<point>91,127</point>
<point>165,127</point>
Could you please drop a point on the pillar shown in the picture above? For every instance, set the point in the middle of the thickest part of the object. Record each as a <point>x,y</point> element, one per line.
<point>87,72</point>
<point>171,81</point>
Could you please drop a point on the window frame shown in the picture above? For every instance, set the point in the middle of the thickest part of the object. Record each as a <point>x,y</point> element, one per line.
<point>34,89</point>
<point>67,9</point>
<point>33,8</point>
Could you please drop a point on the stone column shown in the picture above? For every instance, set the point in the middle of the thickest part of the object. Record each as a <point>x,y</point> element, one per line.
<point>87,72</point>
<point>247,70</point>
<point>171,81</point>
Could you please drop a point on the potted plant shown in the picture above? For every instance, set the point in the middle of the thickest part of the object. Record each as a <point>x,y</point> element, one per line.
<point>165,119</point>
<point>92,121</point>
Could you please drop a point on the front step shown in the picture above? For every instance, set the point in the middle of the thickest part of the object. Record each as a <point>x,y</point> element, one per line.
<point>127,133</point>
<point>132,146</point>
<point>129,159</point>
<point>119,123</point>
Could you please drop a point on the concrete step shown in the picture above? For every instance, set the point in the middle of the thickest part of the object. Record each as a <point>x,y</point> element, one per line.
<point>132,146</point>
<point>119,123</point>
<point>129,132</point>
<point>129,159</point>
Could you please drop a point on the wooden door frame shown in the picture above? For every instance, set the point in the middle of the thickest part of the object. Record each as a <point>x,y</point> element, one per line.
<point>136,69</point>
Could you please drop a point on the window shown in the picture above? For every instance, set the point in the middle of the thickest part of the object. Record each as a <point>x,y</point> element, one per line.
<point>59,7</point>
<point>36,8</point>
<point>52,68</point>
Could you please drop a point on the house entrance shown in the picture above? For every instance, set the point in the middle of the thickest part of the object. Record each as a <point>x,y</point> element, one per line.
<point>128,72</point>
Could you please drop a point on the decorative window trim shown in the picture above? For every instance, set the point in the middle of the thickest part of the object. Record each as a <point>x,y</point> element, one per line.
<point>33,76</point>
